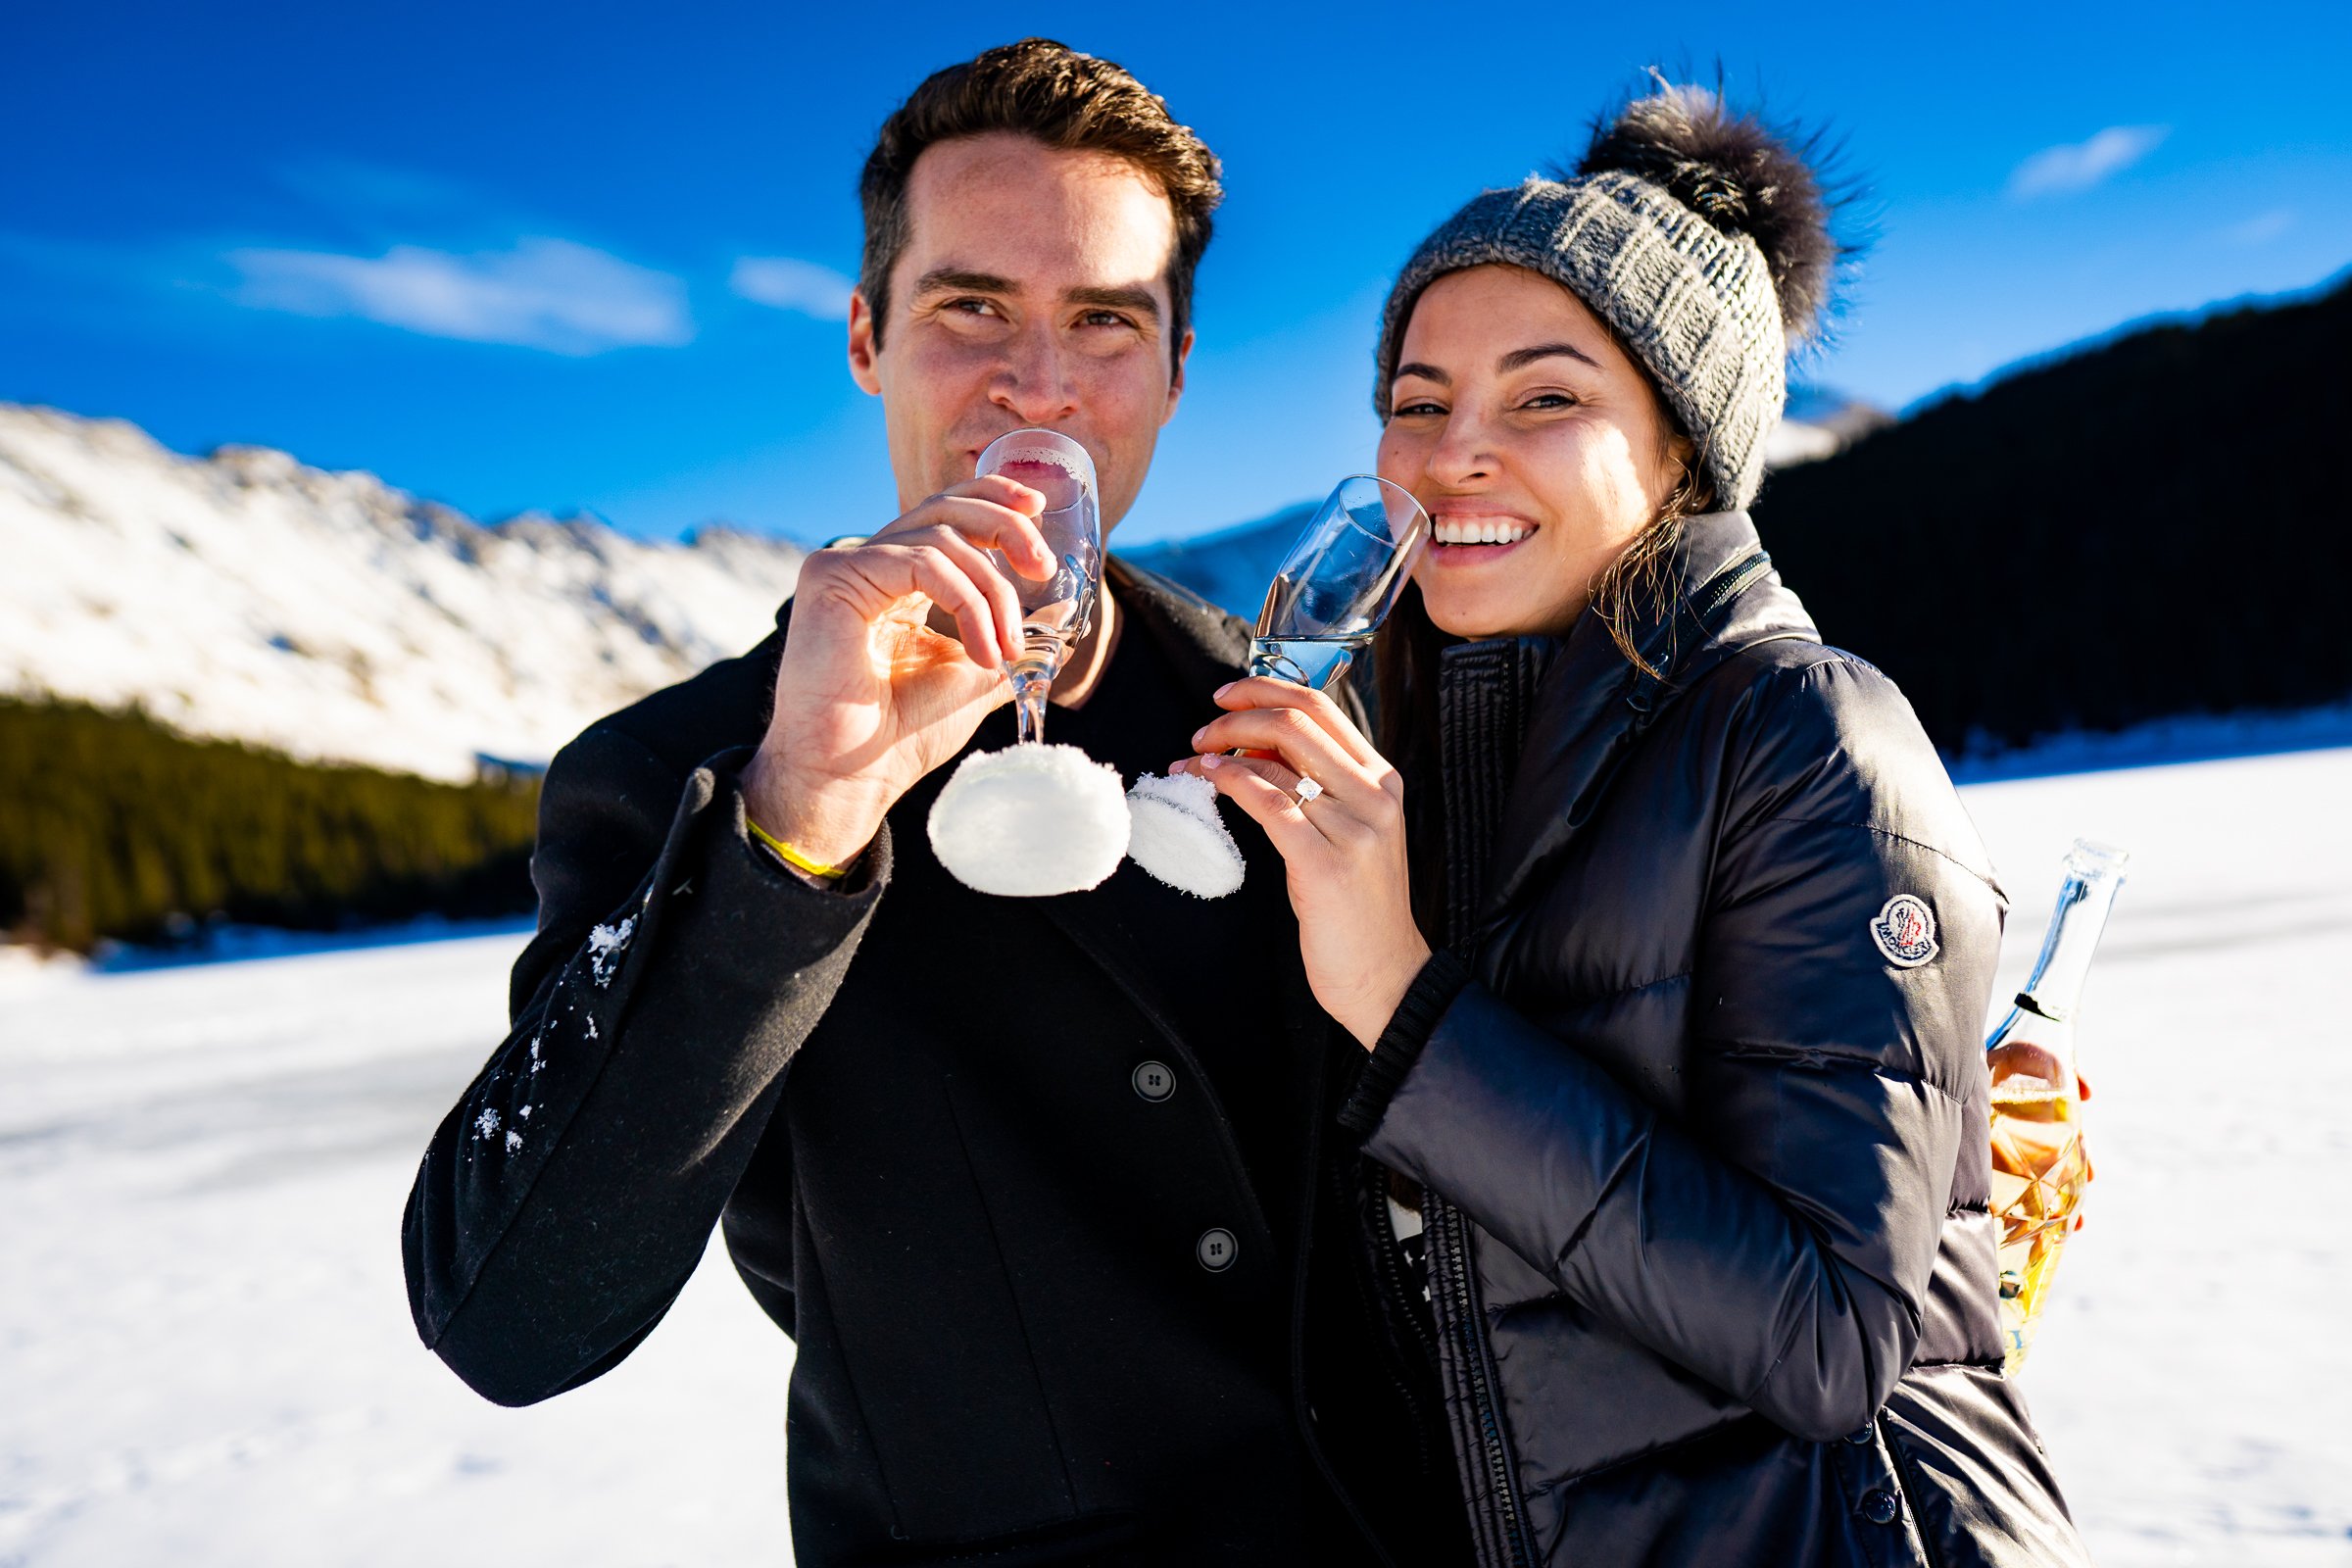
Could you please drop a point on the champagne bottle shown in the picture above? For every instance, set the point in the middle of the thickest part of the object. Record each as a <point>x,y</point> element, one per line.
<point>2038,1164</point>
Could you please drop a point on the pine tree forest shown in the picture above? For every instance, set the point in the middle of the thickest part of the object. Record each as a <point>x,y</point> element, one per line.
<point>112,826</point>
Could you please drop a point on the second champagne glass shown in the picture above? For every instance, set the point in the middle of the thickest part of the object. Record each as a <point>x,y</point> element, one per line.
<point>1057,612</point>
<point>1339,582</point>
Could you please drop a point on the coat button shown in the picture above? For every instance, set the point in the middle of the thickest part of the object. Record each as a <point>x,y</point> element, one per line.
<point>1880,1507</point>
<point>1216,1250</point>
<point>1153,1081</point>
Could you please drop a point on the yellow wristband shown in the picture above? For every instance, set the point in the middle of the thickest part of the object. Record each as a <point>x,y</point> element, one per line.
<point>794,858</point>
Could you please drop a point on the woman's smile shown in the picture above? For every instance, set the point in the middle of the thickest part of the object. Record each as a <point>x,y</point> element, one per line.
<point>1472,538</point>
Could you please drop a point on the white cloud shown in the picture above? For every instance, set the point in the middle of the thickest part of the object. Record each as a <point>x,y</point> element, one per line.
<point>793,285</point>
<point>544,294</point>
<point>2262,228</point>
<point>2079,166</point>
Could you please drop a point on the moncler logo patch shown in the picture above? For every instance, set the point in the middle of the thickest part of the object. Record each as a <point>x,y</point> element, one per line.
<point>1905,931</point>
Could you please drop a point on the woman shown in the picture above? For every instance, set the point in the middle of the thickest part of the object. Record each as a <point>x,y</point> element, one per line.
<point>1679,1056</point>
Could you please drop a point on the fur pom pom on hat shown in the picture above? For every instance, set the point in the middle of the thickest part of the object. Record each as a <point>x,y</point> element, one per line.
<point>1699,235</point>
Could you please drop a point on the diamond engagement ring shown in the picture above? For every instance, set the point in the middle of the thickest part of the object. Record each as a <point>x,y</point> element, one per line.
<point>1307,790</point>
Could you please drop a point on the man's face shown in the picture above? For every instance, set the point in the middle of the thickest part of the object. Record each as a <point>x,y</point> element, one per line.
<point>1033,292</point>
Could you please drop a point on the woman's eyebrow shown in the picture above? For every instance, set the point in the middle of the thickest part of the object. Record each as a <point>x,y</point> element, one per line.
<point>1427,372</point>
<point>1521,359</point>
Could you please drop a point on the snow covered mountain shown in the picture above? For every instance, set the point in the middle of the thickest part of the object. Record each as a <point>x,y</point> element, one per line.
<point>332,616</point>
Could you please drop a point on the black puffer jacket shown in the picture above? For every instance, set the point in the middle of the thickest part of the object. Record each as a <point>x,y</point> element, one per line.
<point>1703,1131</point>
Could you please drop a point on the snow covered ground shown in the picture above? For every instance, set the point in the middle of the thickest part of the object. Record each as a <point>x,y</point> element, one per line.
<point>205,1354</point>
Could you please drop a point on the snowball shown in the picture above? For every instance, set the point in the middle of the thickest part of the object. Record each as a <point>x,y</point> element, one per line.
<point>1030,821</point>
<point>1179,838</point>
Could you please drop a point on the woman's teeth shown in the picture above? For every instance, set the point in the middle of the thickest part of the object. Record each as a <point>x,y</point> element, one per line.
<point>1481,531</point>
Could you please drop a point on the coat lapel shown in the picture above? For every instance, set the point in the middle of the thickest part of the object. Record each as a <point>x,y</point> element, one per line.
<point>1111,924</point>
<point>1208,649</point>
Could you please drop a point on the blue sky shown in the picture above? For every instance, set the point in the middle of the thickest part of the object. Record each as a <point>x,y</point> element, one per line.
<point>588,255</point>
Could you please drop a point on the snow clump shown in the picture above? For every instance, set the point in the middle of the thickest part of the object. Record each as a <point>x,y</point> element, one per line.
<point>1030,821</point>
<point>605,946</point>
<point>1179,838</point>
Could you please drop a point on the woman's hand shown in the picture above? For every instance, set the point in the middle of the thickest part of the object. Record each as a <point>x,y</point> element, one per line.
<point>1344,848</point>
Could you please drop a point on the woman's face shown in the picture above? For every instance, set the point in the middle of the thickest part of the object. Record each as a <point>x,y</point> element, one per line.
<point>1538,446</point>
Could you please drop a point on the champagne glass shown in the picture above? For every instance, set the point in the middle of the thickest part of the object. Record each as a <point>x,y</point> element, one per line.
<point>1339,582</point>
<point>1057,612</point>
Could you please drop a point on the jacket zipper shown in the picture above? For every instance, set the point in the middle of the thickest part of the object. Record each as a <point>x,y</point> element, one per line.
<point>1735,582</point>
<point>1641,685</point>
<point>1395,1291</point>
<point>1449,1264</point>
<point>1453,1289</point>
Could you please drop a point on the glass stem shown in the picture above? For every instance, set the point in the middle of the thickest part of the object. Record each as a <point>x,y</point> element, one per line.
<point>1032,684</point>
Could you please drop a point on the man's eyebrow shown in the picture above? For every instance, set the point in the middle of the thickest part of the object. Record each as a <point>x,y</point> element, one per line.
<point>1427,372</point>
<point>956,278</point>
<point>1139,300</point>
<point>1521,359</point>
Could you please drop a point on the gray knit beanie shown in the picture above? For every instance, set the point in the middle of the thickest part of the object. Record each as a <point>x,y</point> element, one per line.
<point>1698,235</point>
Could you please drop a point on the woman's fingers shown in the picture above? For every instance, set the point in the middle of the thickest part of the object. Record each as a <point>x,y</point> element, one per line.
<point>1244,781</point>
<point>1266,766</point>
<point>1295,738</point>
<point>1261,692</point>
<point>1342,820</point>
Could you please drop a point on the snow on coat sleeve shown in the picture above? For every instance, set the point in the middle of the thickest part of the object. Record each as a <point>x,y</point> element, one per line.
<point>568,1196</point>
<point>1778,1242</point>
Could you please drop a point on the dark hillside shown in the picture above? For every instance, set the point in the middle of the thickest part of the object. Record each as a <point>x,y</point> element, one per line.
<point>112,826</point>
<point>2158,525</point>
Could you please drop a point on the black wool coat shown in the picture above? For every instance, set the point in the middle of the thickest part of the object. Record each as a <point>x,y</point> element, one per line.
<point>1044,1313</point>
<point>1706,1157</point>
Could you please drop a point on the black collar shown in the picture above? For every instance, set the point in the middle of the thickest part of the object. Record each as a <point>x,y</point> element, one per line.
<point>1722,596</point>
<point>1208,645</point>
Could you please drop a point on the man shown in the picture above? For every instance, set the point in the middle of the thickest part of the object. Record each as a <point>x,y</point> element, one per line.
<point>1028,1181</point>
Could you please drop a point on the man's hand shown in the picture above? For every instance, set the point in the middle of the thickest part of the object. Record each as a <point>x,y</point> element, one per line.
<point>868,696</point>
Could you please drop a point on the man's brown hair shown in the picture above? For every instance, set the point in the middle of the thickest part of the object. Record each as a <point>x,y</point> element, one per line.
<point>1068,101</point>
